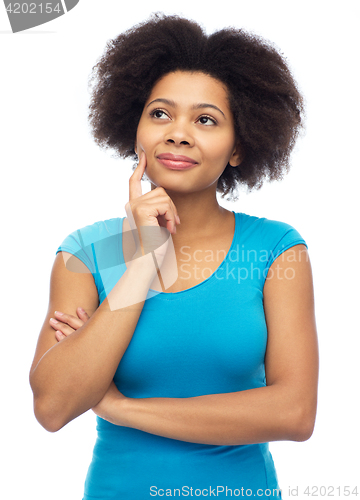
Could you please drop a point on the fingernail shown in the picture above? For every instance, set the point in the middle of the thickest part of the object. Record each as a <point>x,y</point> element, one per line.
<point>52,320</point>
<point>178,219</point>
<point>81,309</point>
<point>59,313</point>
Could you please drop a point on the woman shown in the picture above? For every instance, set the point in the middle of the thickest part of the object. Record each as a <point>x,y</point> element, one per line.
<point>194,363</point>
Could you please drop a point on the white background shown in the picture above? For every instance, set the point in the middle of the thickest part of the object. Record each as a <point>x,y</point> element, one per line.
<point>56,180</point>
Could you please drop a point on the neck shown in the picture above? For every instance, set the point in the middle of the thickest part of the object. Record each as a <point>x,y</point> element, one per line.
<point>200,214</point>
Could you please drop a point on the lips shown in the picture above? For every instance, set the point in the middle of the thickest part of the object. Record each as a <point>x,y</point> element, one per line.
<point>176,162</point>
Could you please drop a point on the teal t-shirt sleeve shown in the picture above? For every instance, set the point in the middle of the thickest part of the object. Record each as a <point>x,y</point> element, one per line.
<point>99,247</point>
<point>80,244</point>
<point>281,237</point>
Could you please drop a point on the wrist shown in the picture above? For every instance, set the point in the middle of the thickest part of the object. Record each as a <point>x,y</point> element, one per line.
<point>112,407</point>
<point>116,411</point>
<point>125,408</point>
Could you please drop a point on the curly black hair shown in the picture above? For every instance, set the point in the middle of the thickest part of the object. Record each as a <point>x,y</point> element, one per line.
<point>267,106</point>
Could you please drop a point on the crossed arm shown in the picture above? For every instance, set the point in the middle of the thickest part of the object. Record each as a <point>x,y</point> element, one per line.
<point>283,410</point>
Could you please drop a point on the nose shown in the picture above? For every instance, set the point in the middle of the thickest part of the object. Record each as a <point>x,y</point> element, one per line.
<point>178,134</point>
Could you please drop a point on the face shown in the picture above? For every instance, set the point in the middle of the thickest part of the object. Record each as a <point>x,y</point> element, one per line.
<point>187,115</point>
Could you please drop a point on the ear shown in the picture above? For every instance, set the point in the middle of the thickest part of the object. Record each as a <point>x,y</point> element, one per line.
<point>237,156</point>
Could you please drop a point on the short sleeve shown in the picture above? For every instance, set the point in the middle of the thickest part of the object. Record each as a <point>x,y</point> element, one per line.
<point>99,247</point>
<point>74,243</point>
<point>282,236</point>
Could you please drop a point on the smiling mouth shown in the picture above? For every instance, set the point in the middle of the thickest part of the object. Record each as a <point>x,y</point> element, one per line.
<point>176,162</point>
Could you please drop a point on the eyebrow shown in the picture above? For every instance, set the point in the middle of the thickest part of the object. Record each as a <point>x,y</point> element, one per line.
<point>195,106</point>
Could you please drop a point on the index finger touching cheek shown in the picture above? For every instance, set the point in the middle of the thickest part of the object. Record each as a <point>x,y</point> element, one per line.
<point>135,190</point>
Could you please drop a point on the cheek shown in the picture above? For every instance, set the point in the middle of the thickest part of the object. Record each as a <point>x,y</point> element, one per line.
<point>144,140</point>
<point>141,133</point>
<point>139,142</point>
<point>221,149</point>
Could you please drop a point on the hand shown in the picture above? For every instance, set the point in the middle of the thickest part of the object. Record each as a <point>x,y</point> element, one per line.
<point>66,324</point>
<point>150,215</point>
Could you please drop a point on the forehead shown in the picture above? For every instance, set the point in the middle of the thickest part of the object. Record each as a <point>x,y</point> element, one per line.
<point>188,88</point>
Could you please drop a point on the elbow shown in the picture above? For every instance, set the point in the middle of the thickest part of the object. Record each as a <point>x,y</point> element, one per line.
<point>303,425</point>
<point>50,415</point>
<point>47,417</point>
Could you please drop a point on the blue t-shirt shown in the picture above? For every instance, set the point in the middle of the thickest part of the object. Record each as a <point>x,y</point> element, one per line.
<point>208,339</point>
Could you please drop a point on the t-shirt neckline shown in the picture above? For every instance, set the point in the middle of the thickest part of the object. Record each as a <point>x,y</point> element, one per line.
<point>207,281</point>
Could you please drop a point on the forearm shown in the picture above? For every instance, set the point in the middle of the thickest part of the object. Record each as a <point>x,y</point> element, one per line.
<point>252,416</point>
<point>74,374</point>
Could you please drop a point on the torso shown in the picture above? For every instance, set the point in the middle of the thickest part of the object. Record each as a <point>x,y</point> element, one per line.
<point>196,260</point>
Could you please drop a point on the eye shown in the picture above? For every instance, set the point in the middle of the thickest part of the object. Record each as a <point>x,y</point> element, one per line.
<point>159,114</point>
<point>207,120</point>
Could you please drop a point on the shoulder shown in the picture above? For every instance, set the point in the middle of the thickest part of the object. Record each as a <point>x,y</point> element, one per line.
<point>92,233</point>
<point>267,239</point>
<point>93,242</point>
<point>267,232</point>
<point>262,225</point>
<point>100,230</point>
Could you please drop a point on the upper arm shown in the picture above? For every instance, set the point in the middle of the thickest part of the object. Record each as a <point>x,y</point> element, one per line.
<point>68,291</point>
<point>292,350</point>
